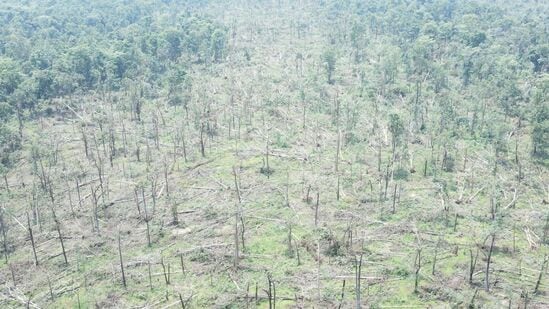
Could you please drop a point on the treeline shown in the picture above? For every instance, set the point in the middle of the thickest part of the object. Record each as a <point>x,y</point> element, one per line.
<point>58,48</point>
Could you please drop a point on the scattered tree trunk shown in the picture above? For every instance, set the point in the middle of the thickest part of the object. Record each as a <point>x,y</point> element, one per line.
<point>181,300</point>
<point>394,199</point>
<point>472,301</point>
<point>121,261</point>
<point>316,208</point>
<point>418,268</point>
<point>6,183</point>
<point>487,274</point>
<point>545,229</point>
<point>166,273</point>
<point>150,275</point>
<point>358,276</point>
<point>542,270</point>
<point>182,265</point>
<point>51,290</point>
<point>472,264</point>
<point>147,218</point>
<point>32,241</point>
<point>435,257</point>
<point>4,234</point>
<point>237,220</point>
<point>271,292</point>
<point>58,228</point>
<point>342,295</point>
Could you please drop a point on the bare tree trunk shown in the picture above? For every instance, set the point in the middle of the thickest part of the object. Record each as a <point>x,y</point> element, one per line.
<point>78,193</point>
<point>542,270</point>
<point>487,274</point>
<point>6,183</point>
<point>4,234</point>
<point>85,140</point>
<point>202,143</point>
<point>146,217</point>
<point>307,195</point>
<point>51,290</point>
<point>435,258</point>
<point>545,230</point>
<point>95,210</point>
<point>150,275</point>
<point>358,276</point>
<point>136,195</point>
<point>268,171</point>
<point>394,199</point>
<point>182,264</point>
<point>121,261</point>
<point>472,264</point>
<point>32,241</point>
<point>58,228</point>
<point>70,200</point>
<point>236,242</point>
<point>256,295</point>
<point>166,273</point>
<point>184,144</point>
<point>166,177</point>
<point>342,295</point>
<point>271,292</point>
<point>238,218</point>
<point>316,208</point>
<point>418,268</point>
<point>472,301</point>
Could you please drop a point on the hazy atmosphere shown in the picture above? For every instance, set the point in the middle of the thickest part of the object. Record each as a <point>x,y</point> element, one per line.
<point>274,154</point>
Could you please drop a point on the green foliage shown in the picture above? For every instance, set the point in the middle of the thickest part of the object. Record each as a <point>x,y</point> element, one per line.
<point>396,127</point>
<point>281,141</point>
<point>329,62</point>
<point>6,111</point>
<point>10,77</point>
<point>540,131</point>
<point>217,44</point>
<point>539,57</point>
<point>401,174</point>
<point>540,120</point>
<point>88,46</point>
<point>10,142</point>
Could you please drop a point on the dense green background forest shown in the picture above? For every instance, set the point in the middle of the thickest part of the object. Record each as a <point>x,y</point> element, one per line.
<point>308,153</point>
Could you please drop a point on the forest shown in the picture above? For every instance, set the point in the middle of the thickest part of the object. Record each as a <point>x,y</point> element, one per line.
<point>274,153</point>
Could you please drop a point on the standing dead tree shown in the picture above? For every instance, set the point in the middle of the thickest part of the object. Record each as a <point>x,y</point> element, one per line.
<point>437,246</point>
<point>58,228</point>
<point>32,240</point>
<point>542,270</point>
<point>342,295</point>
<point>316,208</point>
<point>358,276</point>
<point>418,268</point>
<point>121,260</point>
<point>488,260</point>
<point>4,228</point>
<point>271,292</point>
<point>472,264</point>
<point>238,219</point>
<point>164,271</point>
<point>338,148</point>
<point>147,218</point>
<point>417,260</point>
